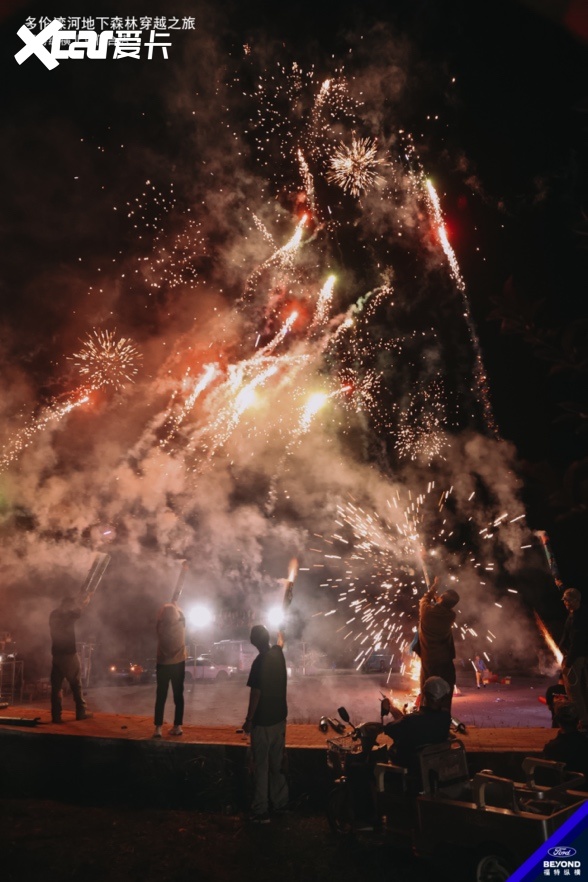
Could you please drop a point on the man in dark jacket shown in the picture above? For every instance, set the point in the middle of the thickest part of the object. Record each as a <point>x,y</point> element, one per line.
<point>574,645</point>
<point>66,661</point>
<point>435,637</point>
<point>266,722</point>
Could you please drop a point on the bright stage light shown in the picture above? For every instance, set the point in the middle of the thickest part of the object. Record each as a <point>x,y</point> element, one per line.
<point>275,616</point>
<point>200,616</point>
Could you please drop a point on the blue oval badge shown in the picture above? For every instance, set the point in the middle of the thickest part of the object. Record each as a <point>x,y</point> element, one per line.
<point>562,851</point>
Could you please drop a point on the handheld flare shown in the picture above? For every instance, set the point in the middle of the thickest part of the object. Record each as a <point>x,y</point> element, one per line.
<point>551,561</point>
<point>292,573</point>
<point>94,576</point>
<point>180,582</point>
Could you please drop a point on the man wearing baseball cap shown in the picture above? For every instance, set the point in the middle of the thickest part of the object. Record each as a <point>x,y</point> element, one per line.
<point>429,725</point>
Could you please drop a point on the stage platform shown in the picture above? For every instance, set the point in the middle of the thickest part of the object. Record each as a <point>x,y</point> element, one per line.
<point>113,758</point>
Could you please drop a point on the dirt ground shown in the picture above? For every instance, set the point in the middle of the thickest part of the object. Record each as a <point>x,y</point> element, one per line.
<point>55,841</point>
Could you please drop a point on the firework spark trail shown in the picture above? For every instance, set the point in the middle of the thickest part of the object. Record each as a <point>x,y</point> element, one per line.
<point>237,393</point>
<point>480,376</point>
<point>263,229</point>
<point>282,258</point>
<point>234,397</point>
<point>212,436</point>
<point>332,101</point>
<point>442,233</point>
<point>275,341</point>
<point>51,415</point>
<point>285,254</point>
<point>370,301</point>
<point>175,419</point>
<point>301,120</point>
<point>323,304</point>
<point>106,360</point>
<point>312,407</point>
<point>421,432</point>
<point>417,432</point>
<point>354,168</point>
<point>322,96</point>
<point>175,256</point>
<point>223,406</point>
<point>557,653</point>
<point>210,371</point>
<point>314,404</point>
<point>308,180</point>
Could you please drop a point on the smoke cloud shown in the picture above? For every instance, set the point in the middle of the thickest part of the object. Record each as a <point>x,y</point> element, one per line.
<point>182,202</point>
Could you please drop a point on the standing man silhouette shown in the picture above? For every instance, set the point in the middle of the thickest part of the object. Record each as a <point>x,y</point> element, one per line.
<point>437,649</point>
<point>65,659</point>
<point>171,665</point>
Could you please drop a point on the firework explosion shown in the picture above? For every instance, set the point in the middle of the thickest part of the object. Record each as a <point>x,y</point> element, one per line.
<point>354,168</point>
<point>106,360</point>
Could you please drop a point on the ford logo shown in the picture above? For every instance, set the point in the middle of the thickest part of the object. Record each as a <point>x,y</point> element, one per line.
<point>562,851</point>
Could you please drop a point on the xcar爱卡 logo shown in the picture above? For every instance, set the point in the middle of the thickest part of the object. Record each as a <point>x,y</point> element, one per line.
<point>54,44</point>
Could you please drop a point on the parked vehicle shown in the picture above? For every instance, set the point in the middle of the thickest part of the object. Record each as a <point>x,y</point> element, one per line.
<point>238,654</point>
<point>123,671</point>
<point>377,663</point>
<point>487,824</point>
<point>202,668</point>
<point>150,667</point>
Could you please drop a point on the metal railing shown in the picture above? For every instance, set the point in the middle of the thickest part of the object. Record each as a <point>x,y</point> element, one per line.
<point>11,681</point>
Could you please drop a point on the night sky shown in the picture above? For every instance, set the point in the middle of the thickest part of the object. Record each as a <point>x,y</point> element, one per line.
<point>105,164</point>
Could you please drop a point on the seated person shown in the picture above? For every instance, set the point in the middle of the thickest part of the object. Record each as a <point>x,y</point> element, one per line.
<point>482,672</point>
<point>569,746</point>
<point>553,696</point>
<point>430,725</point>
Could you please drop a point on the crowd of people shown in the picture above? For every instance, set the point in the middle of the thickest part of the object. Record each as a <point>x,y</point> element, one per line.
<point>265,720</point>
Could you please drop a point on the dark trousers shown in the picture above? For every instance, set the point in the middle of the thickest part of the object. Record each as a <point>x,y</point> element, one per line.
<point>167,674</point>
<point>66,667</point>
<point>267,748</point>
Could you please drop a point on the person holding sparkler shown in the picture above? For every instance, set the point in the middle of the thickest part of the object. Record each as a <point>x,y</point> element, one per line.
<point>555,695</point>
<point>435,637</point>
<point>574,645</point>
<point>65,659</point>
<point>266,718</point>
